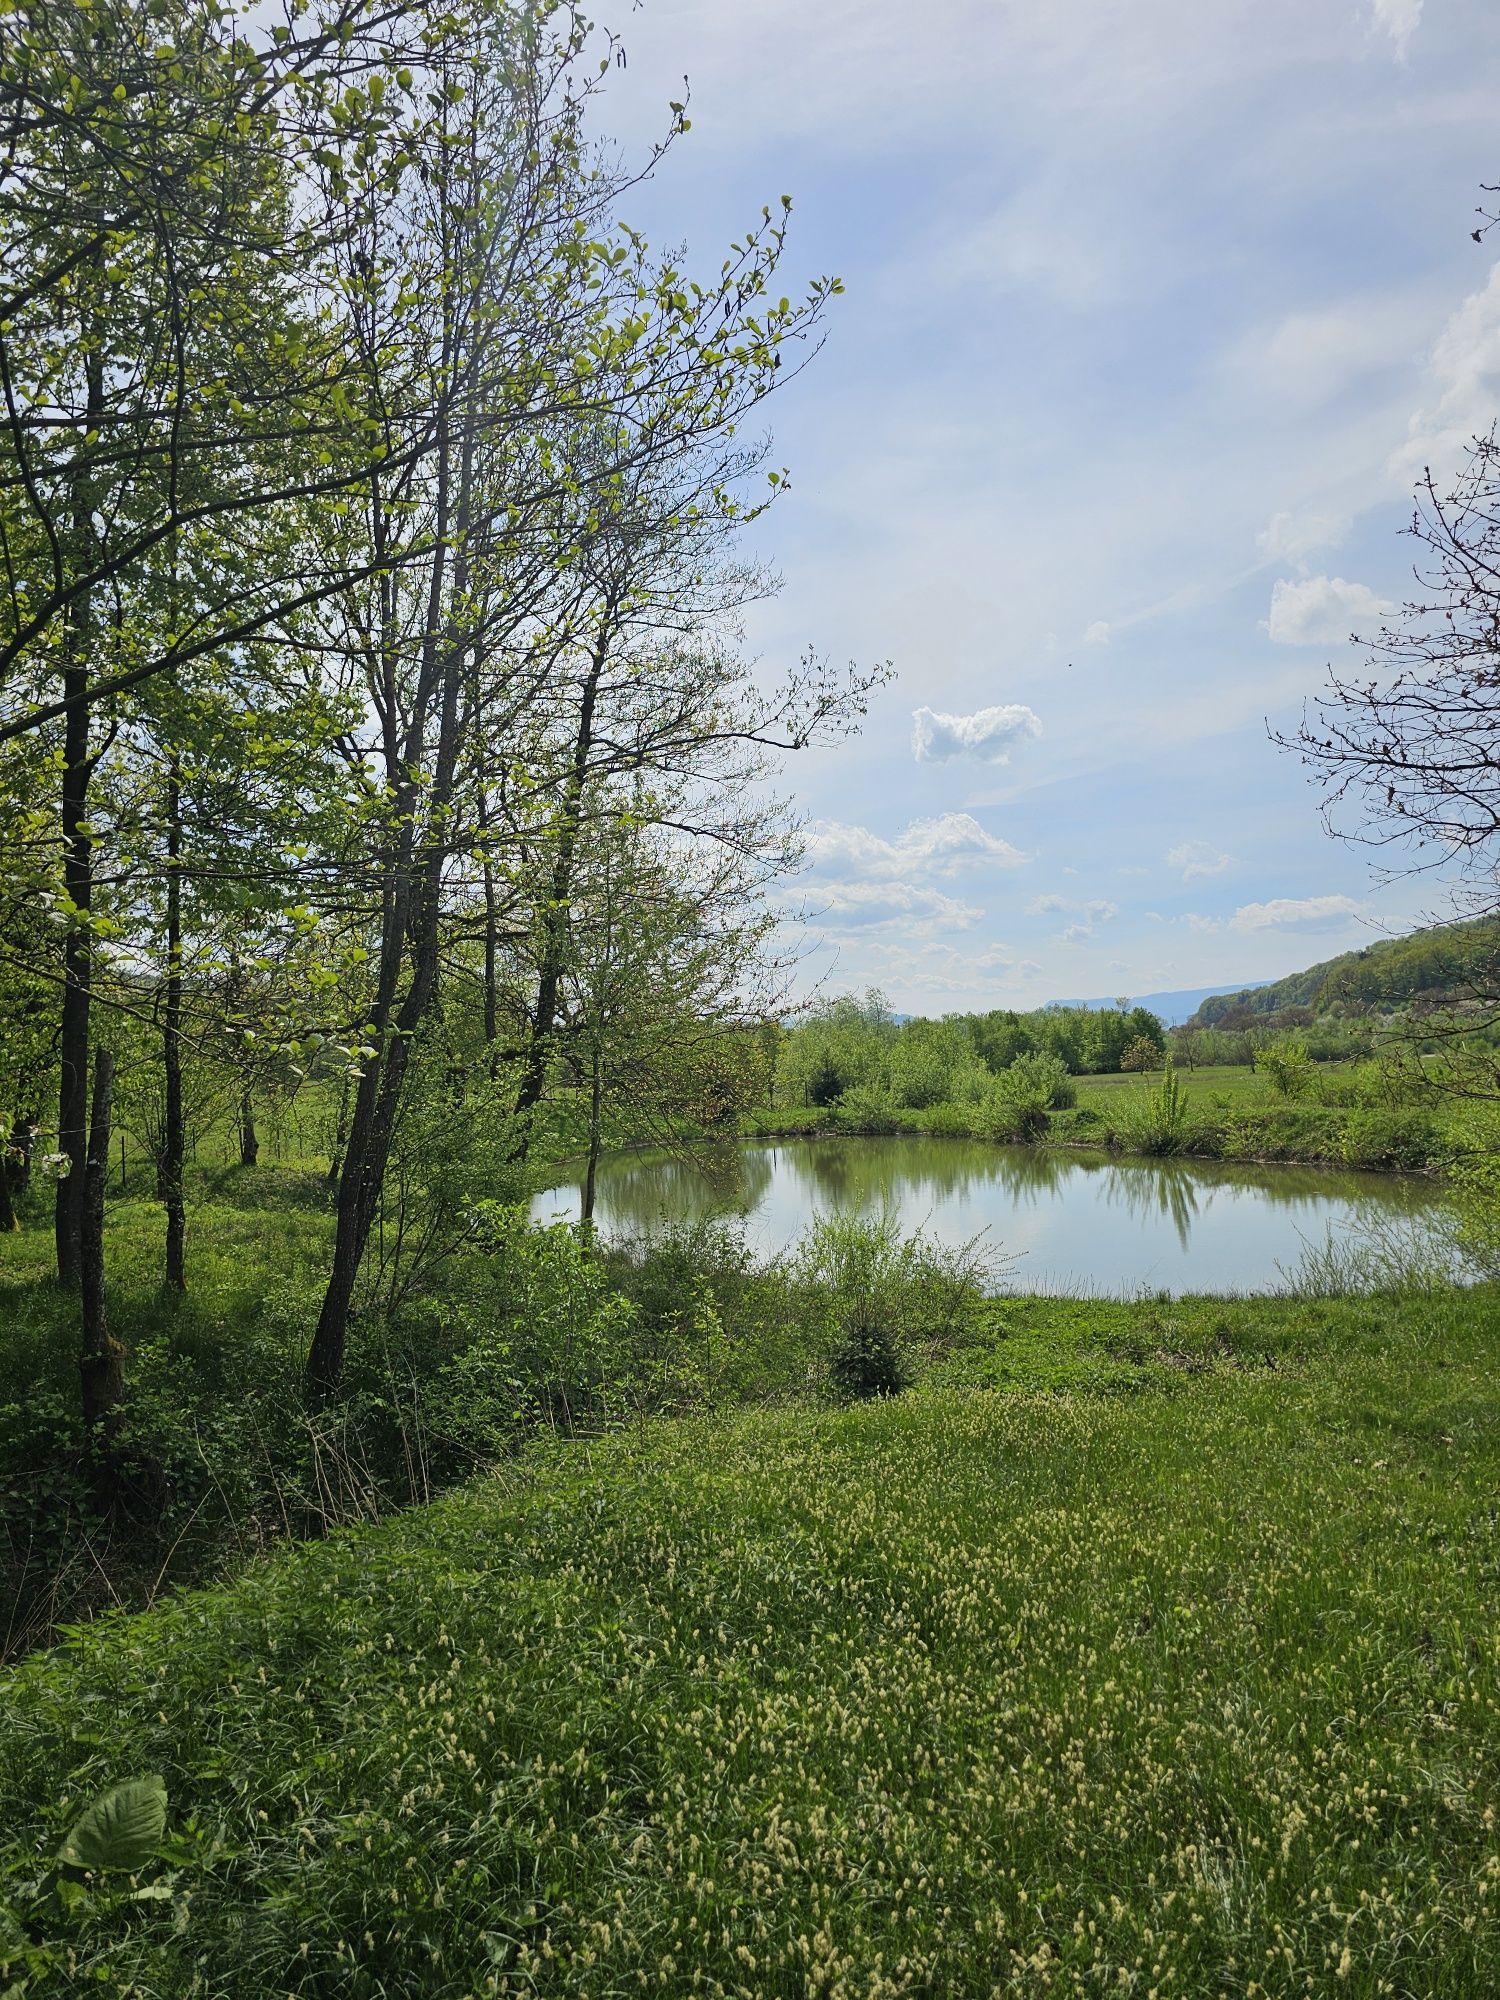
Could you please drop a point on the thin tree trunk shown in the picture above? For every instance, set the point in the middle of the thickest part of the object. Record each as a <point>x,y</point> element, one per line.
<point>73,1038</point>
<point>173,1144</point>
<point>596,1126</point>
<point>340,1133</point>
<point>78,877</point>
<point>491,1000</point>
<point>10,1222</point>
<point>101,1358</point>
<point>411,907</point>
<point>249,1137</point>
<point>555,931</point>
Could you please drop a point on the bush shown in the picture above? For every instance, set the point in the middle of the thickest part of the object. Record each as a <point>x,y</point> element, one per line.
<point>869,1108</point>
<point>543,1337</point>
<point>1286,1066</point>
<point>949,1121</point>
<point>882,1299</point>
<point>1017,1104</point>
<point>1285,1132</point>
<point>1476,1180</point>
<point>1158,1122</point>
<point>1395,1141</point>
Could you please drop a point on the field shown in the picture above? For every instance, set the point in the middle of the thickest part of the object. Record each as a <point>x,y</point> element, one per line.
<point>1167,1666</point>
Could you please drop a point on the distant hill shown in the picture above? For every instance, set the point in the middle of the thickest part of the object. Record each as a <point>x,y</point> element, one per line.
<point>1171,1009</point>
<point>1442,962</point>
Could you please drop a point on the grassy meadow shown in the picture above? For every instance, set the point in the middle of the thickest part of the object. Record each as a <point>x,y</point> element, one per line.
<point>1141,1648</point>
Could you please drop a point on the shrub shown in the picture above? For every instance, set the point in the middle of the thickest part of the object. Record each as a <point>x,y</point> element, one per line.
<point>949,1121</point>
<point>1286,1066</point>
<point>883,1298</point>
<point>1285,1132</point>
<point>869,1108</point>
<point>1017,1104</point>
<point>544,1337</point>
<point>1396,1141</point>
<point>1156,1121</point>
<point>1476,1180</point>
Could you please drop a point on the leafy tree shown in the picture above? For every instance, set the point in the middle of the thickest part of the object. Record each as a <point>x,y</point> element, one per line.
<point>1142,1054</point>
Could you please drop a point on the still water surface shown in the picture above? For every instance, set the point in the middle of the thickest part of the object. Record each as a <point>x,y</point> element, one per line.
<point>1071,1221</point>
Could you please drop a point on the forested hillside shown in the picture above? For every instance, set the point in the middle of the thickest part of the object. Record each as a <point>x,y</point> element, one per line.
<point>1448,964</point>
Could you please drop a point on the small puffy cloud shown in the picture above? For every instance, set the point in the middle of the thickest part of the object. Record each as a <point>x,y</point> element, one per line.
<point>1292,913</point>
<point>1197,858</point>
<point>1397,18</point>
<point>1075,933</point>
<point>1098,910</point>
<point>1464,369</point>
<point>938,846</point>
<point>873,905</point>
<point>988,735</point>
<point>1322,611</point>
<point>1294,537</point>
<point>1097,634</point>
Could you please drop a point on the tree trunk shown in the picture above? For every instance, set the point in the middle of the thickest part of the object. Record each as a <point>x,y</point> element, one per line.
<point>555,932</point>
<point>340,1134</point>
<point>78,874</point>
<point>173,1144</point>
<point>596,1126</point>
<point>101,1358</point>
<point>73,1038</point>
<point>249,1138</point>
<point>10,1222</point>
<point>410,913</point>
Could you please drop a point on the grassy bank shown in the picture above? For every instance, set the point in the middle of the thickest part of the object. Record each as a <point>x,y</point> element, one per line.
<point>1231,1114</point>
<point>1172,1670</point>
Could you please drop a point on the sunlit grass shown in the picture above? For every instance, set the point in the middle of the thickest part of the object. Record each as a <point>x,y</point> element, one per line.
<point>1184,1691</point>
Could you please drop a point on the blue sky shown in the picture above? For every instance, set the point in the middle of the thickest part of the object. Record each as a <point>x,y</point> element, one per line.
<point>1155,309</point>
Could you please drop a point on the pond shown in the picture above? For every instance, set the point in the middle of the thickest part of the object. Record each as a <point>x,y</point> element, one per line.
<point>1057,1220</point>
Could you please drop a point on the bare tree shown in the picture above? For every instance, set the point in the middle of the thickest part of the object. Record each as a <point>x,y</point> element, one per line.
<point>1411,745</point>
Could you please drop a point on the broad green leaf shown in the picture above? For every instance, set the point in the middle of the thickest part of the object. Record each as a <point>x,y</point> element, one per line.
<point>122,1829</point>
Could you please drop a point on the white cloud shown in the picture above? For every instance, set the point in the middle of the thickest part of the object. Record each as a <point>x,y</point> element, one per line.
<point>1097,634</point>
<point>1196,858</point>
<point>1290,913</point>
<point>987,735</point>
<point>1465,371</point>
<point>1099,910</point>
<point>1292,538</point>
<point>1322,611</point>
<point>927,846</point>
<point>874,905</point>
<point>1399,19</point>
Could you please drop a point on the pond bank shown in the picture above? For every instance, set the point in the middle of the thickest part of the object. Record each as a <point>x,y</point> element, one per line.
<point>1396,1140</point>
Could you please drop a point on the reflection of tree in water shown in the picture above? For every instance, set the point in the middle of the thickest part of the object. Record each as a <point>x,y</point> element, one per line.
<point>866,1174</point>
<point>638,1192</point>
<point>641,1190</point>
<point>1162,1187</point>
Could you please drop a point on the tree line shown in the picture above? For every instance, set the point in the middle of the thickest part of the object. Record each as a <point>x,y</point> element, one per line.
<point>856,1043</point>
<point>373,710</point>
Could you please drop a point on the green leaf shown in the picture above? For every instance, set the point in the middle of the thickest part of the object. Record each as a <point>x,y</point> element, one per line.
<point>122,1829</point>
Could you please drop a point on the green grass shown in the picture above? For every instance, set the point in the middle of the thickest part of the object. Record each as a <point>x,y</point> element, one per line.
<point>1187,1688</point>
<point>1233,1113</point>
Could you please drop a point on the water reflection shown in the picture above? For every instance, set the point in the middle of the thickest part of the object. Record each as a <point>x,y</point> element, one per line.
<point>1073,1220</point>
